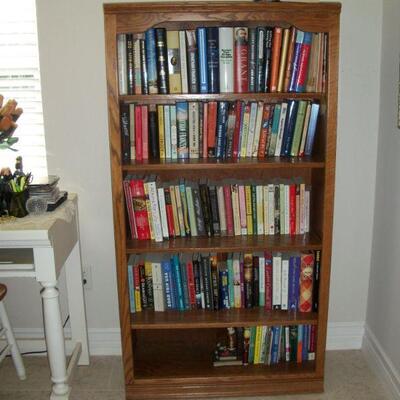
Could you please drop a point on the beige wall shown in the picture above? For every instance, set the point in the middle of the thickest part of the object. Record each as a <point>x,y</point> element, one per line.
<point>75,111</point>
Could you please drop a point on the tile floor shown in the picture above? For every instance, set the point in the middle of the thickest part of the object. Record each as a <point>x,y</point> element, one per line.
<point>347,378</point>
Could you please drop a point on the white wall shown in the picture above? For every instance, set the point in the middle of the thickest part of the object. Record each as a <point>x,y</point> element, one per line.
<point>74,97</point>
<point>383,317</point>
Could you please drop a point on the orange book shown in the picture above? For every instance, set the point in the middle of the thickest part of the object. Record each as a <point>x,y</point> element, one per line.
<point>276,56</point>
<point>306,282</point>
<point>212,127</point>
<point>264,131</point>
<point>289,61</point>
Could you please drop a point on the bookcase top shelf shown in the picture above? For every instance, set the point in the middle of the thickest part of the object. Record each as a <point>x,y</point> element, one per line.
<point>266,97</point>
<point>227,244</point>
<point>218,319</point>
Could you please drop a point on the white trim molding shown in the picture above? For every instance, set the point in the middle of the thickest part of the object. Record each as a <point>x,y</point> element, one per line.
<point>381,364</point>
<point>345,335</point>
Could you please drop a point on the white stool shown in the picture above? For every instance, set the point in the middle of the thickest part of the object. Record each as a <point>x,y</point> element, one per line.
<point>7,334</point>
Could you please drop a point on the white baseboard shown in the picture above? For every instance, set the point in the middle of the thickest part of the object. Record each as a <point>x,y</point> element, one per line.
<point>381,364</point>
<point>341,336</point>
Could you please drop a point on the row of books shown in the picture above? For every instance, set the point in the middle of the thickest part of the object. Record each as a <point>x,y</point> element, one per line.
<point>160,211</point>
<point>267,345</point>
<point>273,281</point>
<point>218,129</point>
<point>221,60</point>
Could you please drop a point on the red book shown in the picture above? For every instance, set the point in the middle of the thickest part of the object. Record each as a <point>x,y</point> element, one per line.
<point>129,208</point>
<point>236,132</point>
<point>313,338</point>
<point>306,282</point>
<point>211,128</point>
<point>190,278</point>
<point>292,209</point>
<point>145,132</point>
<point>170,212</point>
<point>240,60</point>
<point>228,210</point>
<point>140,209</point>
<point>275,59</point>
<point>268,281</point>
<point>264,131</point>
<point>303,62</point>
<point>138,133</point>
<point>205,130</point>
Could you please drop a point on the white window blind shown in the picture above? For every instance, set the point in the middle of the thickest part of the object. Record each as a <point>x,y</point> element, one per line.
<point>20,80</point>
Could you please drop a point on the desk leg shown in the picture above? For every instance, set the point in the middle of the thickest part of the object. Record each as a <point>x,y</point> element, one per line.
<point>55,340</point>
<point>76,302</point>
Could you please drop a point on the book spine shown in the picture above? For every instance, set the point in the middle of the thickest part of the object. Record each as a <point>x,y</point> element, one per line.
<point>228,210</point>
<point>231,280</point>
<point>131,289</point>
<point>178,282</point>
<point>241,50</point>
<point>204,148</point>
<point>122,64</point>
<point>277,215</point>
<point>145,132</point>
<point>206,209</point>
<point>306,282</point>
<point>161,134</point>
<point>169,212</point>
<point>143,294</point>
<point>167,277</point>
<point>191,284</point>
<point>262,147</point>
<point>212,127</point>
<point>153,132</point>
<point>257,131</point>
<point>252,129</point>
<point>192,216</point>
<point>282,66</point>
<point>215,221</point>
<point>252,58</point>
<point>304,58</point>
<point>203,62</point>
<point>248,279</point>
<point>136,279</point>
<point>222,120</point>
<point>311,129</point>
<point>143,67</point>
<point>179,208</point>
<point>149,284</point>
<point>242,291</point>
<point>271,209</point>
<point>304,131</point>
<point>132,133</point>
<point>129,207</point>
<point>177,229</point>
<point>250,211</point>
<point>226,59</point>
<point>213,59</point>
<point>159,288</point>
<point>193,61</point>
<point>285,284</point>
<point>151,60</point>
<point>125,134</point>
<point>197,284</point>
<point>129,65</point>
<point>268,59</point>
<point>193,129</point>
<point>261,288</point>
<point>184,65</point>
<point>198,212</point>
<point>162,64</point>
<point>163,212</point>
<point>301,112</point>
<point>244,129</point>
<point>256,282</point>
<point>206,275</point>
<point>158,234</point>
<point>259,203</point>
<point>221,210</point>
<point>230,129</point>
<point>214,282</point>
<point>185,208</point>
<point>148,208</point>
<point>290,56</point>
<point>137,66</point>
<point>174,62</point>
<point>174,132</point>
<point>138,133</point>
<point>183,131</point>
<point>236,280</point>
<point>260,57</point>
<point>281,128</point>
<point>292,209</point>
<point>140,210</point>
<point>276,281</point>
<point>242,209</point>
<point>185,285</point>
<point>317,267</point>
<point>296,60</point>
<point>275,58</point>
<point>290,124</point>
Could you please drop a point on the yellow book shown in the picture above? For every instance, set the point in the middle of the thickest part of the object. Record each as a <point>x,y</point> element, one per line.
<point>282,66</point>
<point>148,208</point>
<point>161,137</point>
<point>175,210</point>
<point>174,62</point>
<point>249,213</point>
<point>257,345</point>
<point>138,302</point>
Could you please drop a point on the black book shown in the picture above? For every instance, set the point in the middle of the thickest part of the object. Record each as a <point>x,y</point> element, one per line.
<point>125,137</point>
<point>143,292</point>
<point>149,290</point>
<point>212,190</point>
<point>256,281</point>
<point>252,59</point>
<point>130,69</point>
<point>197,282</point>
<point>260,68</point>
<point>214,281</point>
<point>239,342</point>
<point>198,211</point>
<point>222,119</point>
<point>317,267</point>
<point>267,58</point>
<point>290,124</point>
<point>206,278</point>
<point>277,214</point>
<point>192,56</point>
<point>153,132</point>
<point>206,208</point>
<point>145,80</point>
<point>213,59</point>
<point>162,61</point>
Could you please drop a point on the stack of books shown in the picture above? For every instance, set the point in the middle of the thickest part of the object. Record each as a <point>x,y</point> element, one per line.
<point>46,188</point>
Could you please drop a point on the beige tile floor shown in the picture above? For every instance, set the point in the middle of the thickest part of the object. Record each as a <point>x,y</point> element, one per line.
<point>347,378</point>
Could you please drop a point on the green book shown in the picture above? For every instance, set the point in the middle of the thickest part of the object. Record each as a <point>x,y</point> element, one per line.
<point>252,343</point>
<point>230,281</point>
<point>298,129</point>
<point>254,208</point>
<point>274,130</point>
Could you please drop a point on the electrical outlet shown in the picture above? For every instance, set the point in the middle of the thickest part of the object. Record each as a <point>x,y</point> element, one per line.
<point>87,277</point>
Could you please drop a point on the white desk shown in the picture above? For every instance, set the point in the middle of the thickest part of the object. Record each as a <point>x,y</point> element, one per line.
<point>39,247</point>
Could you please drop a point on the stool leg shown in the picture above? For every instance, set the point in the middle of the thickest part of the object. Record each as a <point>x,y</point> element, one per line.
<point>16,355</point>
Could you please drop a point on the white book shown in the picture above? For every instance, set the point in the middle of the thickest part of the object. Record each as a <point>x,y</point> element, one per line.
<point>265,207</point>
<point>271,209</point>
<point>281,129</point>
<point>302,208</point>
<point>236,210</point>
<point>221,210</point>
<point>287,209</point>
<point>244,130</point>
<point>167,132</point>
<point>236,280</point>
<point>256,141</point>
<point>307,211</point>
<point>261,274</point>
<point>285,284</point>
<point>132,130</point>
<point>192,216</point>
<point>179,208</point>
<point>282,208</point>
<point>252,129</point>
<point>158,286</point>
<point>174,132</point>
<point>260,210</point>
<point>194,127</point>
<point>276,280</point>
<point>163,213</point>
<point>225,60</point>
<point>184,71</point>
<point>305,129</point>
<point>122,65</point>
<point>155,212</point>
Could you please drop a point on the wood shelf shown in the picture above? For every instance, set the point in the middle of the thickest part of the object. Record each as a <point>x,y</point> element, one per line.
<point>202,164</point>
<point>227,244</point>
<point>219,319</point>
<point>171,98</point>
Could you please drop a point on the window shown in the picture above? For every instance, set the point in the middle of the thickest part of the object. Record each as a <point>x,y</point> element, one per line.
<point>20,79</point>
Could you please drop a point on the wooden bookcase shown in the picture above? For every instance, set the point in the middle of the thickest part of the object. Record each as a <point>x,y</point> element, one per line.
<point>166,355</point>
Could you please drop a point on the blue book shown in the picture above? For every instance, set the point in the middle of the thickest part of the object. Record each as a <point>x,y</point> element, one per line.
<point>202,49</point>
<point>296,60</point>
<point>230,282</point>
<point>312,127</point>
<point>275,344</point>
<point>306,333</point>
<point>222,120</point>
<point>178,283</point>
<point>185,286</point>
<point>274,130</point>
<point>307,40</point>
<point>213,59</point>
<point>294,278</point>
<point>290,124</point>
<point>151,60</point>
<point>131,287</point>
<point>167,274</point>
